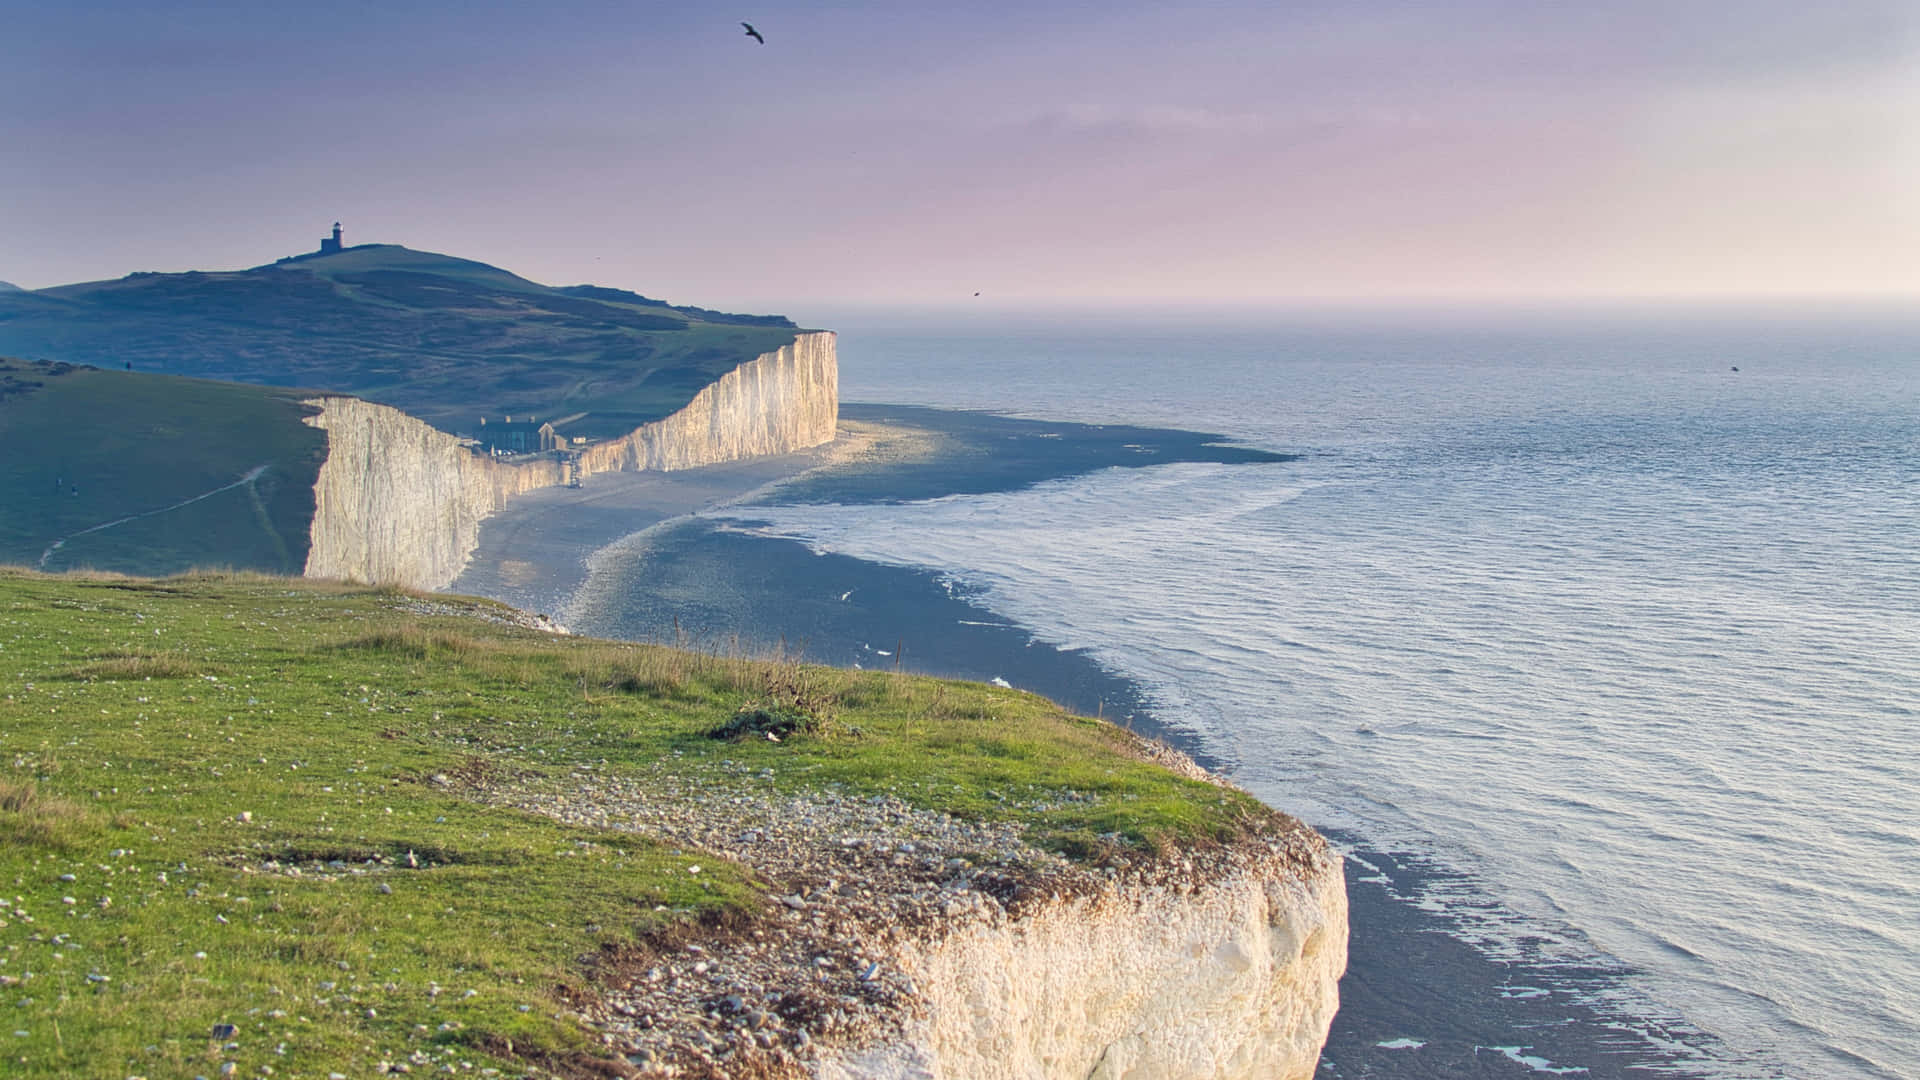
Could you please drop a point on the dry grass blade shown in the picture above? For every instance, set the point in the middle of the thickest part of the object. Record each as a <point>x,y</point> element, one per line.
<point>130,667</point>
<point>30,816</point>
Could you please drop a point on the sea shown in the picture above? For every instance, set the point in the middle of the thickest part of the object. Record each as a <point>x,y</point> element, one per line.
<point>1615,613</point>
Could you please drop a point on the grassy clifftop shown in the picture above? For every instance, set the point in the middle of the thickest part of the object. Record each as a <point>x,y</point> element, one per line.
<point>254,802</point>
<point>443,338</point>
<point>119,470</point>
<point>124,453</point>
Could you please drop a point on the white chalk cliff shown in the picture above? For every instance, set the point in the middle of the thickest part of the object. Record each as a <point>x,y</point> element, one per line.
<point>1211,977</point>
<point>400,502</point>
<point>1224,967</point>
<point>783,401</point>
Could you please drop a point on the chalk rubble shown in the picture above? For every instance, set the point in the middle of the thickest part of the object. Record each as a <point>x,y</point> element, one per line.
<point>1229,978</point>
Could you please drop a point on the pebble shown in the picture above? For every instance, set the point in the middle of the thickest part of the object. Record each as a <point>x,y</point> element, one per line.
<point>852,878</point>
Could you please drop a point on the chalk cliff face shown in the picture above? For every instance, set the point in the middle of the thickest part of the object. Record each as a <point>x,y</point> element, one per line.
<point>401,502</point>
<point>784,401</point>
<point>1233,978</point>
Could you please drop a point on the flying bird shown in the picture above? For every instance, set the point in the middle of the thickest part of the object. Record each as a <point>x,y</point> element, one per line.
<point>754,34</point>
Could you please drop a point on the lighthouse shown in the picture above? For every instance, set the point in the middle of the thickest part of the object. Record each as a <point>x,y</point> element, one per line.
<point>331,245</point>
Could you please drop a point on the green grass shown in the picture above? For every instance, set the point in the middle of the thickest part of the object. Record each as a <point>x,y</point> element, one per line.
<point>163,741</point>
<point>92,446</point>
<point>445,339</point>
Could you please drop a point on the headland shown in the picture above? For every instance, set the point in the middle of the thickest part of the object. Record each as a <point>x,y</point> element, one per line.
<point>987,880</point>
<point>1419,999</point>
<point>355,412</point>
<point>323,828</point>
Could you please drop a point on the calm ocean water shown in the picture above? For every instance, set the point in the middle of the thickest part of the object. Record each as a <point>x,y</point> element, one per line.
<point>1569,604</point>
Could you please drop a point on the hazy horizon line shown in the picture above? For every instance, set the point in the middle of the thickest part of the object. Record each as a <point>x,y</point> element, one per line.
<point>1729,301</point>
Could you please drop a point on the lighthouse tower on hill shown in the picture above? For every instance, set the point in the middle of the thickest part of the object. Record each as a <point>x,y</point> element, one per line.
<point>331,245</point>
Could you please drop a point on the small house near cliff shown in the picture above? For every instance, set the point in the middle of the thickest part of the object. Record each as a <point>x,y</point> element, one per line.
<point>526,436</point>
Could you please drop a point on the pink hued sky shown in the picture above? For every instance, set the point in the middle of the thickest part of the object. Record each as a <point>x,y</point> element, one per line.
<point>889,153</point>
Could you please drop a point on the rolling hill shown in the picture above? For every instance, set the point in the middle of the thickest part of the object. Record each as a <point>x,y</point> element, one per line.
<point>152,474</point>
<point>446,339</point>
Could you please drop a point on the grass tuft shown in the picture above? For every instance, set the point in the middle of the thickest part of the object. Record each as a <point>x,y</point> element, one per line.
<point>142,666</point>
<point>414,641</point>
<point>761,721</point>
<point>31,817</point>
<point>790,699</point>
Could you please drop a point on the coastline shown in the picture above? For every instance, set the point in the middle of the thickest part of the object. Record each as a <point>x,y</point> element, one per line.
<point>534,552</point>
<point>1420,999</point>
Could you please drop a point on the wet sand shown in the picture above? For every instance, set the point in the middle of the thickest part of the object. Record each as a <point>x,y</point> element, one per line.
<point>1421,1001</point>
<point>534,553</point>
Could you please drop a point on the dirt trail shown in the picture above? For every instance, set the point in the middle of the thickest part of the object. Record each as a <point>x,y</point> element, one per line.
<point>247,479</point>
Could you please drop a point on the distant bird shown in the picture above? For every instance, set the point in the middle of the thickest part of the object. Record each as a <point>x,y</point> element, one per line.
<point>976,294</point>
<point>754,34</point>
<point>1736,367</point>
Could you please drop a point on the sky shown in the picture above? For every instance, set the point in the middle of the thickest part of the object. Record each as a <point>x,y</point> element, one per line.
<point>905,153</point>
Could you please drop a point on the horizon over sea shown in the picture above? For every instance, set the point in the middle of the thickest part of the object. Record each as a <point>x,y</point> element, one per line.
<point>1618,616</point>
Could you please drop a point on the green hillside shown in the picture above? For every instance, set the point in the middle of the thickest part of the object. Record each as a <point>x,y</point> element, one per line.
<point>446,339</point>
<point>119,470</point>
<point>252,827</point>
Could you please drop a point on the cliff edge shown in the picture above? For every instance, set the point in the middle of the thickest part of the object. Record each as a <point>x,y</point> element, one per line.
<point>400,502</point>
<point>903,943</point>
<point>448,841</point>
<point>1228,971</point>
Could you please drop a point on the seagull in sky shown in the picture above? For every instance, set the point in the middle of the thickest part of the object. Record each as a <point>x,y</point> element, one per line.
<point>754,34</point>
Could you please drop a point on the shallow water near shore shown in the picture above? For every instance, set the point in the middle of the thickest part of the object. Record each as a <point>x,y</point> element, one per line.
<point>1606,653</point>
